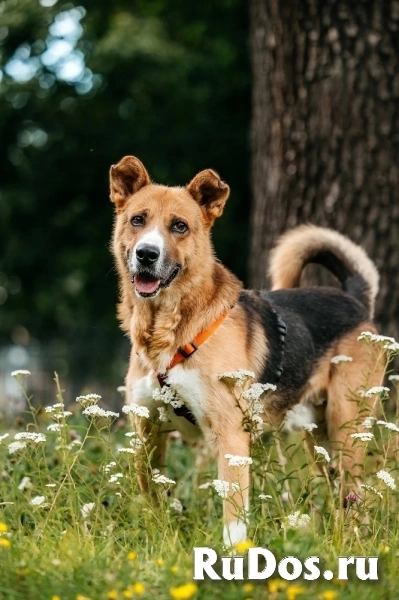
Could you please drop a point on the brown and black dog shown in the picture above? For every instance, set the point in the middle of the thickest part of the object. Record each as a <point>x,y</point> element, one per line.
<point>175,295</point>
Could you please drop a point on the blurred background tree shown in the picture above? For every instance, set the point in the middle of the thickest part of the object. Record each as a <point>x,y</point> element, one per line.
<point>83,84</point>
<point>325,129</point>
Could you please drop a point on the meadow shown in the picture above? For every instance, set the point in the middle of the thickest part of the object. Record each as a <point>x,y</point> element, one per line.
<point>75,526</point>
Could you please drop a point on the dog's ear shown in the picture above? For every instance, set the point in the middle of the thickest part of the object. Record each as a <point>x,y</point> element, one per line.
<point>210,192</point>
<point>127,178</point>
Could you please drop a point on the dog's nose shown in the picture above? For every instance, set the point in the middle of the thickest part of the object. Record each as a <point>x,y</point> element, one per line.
<point>147,254</point>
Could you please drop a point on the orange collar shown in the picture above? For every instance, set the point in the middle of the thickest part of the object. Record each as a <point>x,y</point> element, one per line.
<point>189,349</point>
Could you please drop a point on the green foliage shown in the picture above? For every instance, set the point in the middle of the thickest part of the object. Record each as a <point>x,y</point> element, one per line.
<point>95,535</point>
<point>166,81</point>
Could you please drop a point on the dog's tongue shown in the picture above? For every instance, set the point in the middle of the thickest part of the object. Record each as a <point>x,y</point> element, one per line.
<point>146,285</point>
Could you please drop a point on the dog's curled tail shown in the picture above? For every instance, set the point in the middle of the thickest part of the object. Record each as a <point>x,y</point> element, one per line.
<point>310,244</point>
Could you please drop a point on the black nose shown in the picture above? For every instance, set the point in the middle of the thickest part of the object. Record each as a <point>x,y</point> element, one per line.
<point>147,254</point>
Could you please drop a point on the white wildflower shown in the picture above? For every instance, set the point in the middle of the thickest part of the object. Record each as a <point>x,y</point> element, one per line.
<point>238,377</point>
<point>323,452</point>
<point>4,436</point>
<point>88,399</point>
<point>16,447</point>
<point>390,426</point>
<point>387,478</point>
<point>109,466</point>
<point>372,489</point>
<point>58,416</point>
<point>376,338</point>
<point>50,409</point>
<point>30,436</point>
<point>393,378</point>
<point>163,414</point>
<point>238,461</point>
<point>309,427</point>
<point>86,509</point>
<point>363,436</point>
<point>392,347</point>
<point>295,521</point>
<point>38,500</point>
<point>205,486</point>
<point>378,389</point>
<point>368,422</point>
<point>176,505</point>
<point>54,427</point>
<point>158,478</point>
<point>341,358</point>
<point>20,373</point>
<point>167,395</point>
<point>136,409</point>
<point>127,450</point>
<point>115,478</point>
<point>256,390</point>
<point>25,484</point>
<point>222,487</point>
<point>96,411</point>
<point>122,389</point>
<point>265,497</point>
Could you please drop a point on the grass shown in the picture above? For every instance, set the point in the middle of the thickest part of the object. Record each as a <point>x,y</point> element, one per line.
<point>93,535</point>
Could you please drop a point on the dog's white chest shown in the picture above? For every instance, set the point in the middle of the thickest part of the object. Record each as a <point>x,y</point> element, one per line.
<point>186,383</point>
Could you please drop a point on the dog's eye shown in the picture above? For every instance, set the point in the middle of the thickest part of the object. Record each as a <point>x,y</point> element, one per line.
<point>137,221</point>
<point>179,227</point>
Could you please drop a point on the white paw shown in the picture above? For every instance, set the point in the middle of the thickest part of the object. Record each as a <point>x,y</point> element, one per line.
<point>234,533</point>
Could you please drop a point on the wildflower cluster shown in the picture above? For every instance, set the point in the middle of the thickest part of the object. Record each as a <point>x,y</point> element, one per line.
<point>167,395</point>
<point>295,521</point>
<point>323,452</point>
<point>238,378</point>
<point>238,461</point>
<point>137,410</point>
<point>88,400</point>
<point>387,479</point>
<point>223,487</point>
<point>340,358</point>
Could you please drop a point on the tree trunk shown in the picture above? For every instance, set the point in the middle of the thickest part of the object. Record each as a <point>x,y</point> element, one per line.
<point>325,129</point>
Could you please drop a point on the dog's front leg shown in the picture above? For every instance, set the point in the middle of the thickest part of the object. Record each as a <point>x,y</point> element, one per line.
<point>152,453</point>
<point>234,486</point>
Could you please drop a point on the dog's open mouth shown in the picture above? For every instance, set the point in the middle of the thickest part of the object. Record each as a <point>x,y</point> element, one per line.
<point>148,285</point>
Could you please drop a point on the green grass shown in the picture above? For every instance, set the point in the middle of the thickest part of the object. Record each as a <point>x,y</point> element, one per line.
<point>125,547</point>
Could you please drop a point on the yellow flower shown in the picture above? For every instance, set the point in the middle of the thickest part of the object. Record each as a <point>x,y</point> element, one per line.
<point>276,585</point>
<point>384,549</point>
<point>138,588</point>
<point>294,590</point>
<point>127,593</point>
<point>242,547</point>
<point>55,597</point>
<point>183,592</point>
<point>4,542</point>
<point>248,587</point>
<point>329,595</point>
<point>132,555</point>
<point>174,569</point>
<point>112,595</point>
<point>160,562</point>
<point>3,527</point>
<point>81,597</point>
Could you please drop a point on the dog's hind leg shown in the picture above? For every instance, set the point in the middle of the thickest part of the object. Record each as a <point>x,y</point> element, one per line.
<point>346,408</point>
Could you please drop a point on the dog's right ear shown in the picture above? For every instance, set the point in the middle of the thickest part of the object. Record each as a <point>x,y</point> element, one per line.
<point>127,178</point>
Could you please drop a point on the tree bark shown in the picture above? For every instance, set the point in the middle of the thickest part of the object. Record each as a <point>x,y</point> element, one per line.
<point>325,129</point>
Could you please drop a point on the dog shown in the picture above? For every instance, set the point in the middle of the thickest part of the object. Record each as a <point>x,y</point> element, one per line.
<point>190,320</point>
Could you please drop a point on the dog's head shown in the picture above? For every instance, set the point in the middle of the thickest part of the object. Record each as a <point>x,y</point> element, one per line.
<point>162,231</point>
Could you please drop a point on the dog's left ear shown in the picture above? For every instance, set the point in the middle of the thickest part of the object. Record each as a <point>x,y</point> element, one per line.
<point>210,192</point>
